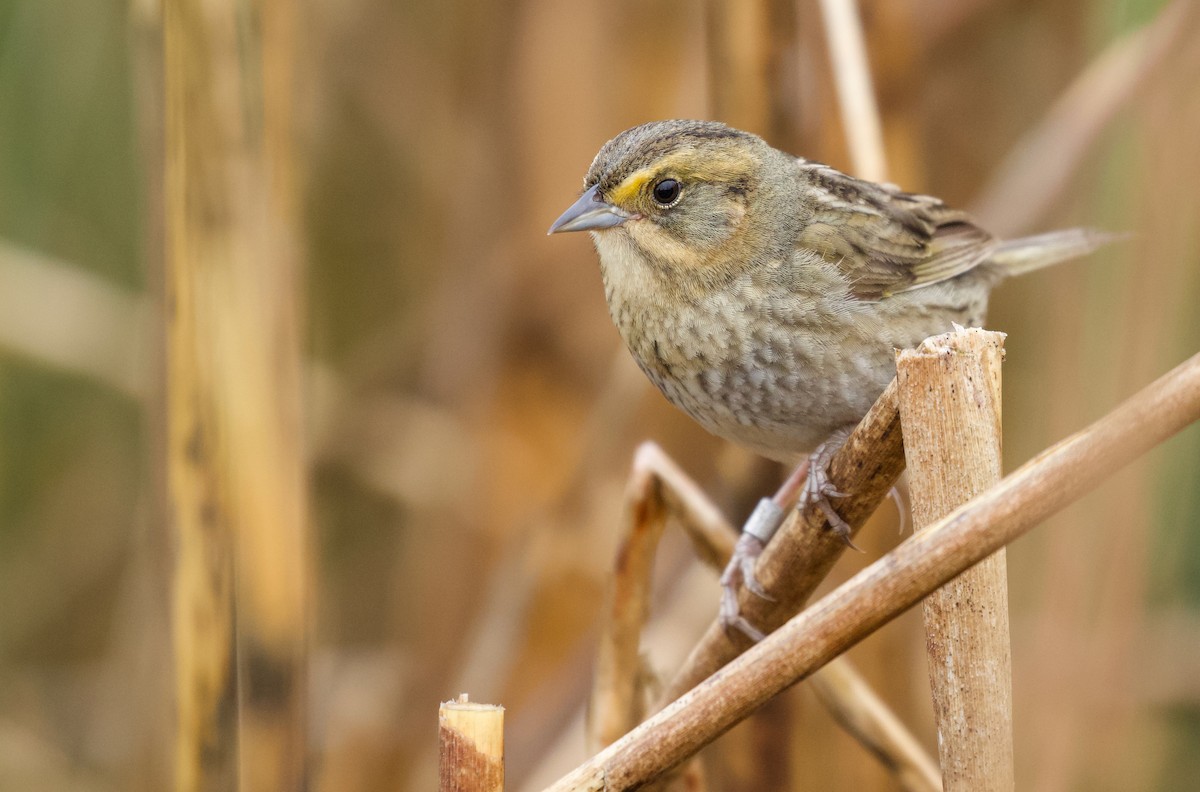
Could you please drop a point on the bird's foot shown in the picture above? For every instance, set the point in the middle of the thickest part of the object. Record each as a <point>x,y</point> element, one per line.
<point>740,572</point>
<point>810,484</point>
<point>758,530</point>
<point>818,489</point>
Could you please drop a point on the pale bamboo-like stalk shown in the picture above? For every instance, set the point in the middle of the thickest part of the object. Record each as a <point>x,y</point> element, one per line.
<point>205,672</point>
<point>949,393</point>
<point>856,96</point>
<point>236,462</point>
<point>895,582</point>
<point>470,746</point>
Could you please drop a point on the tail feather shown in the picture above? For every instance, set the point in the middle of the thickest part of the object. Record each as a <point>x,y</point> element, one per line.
<point>1018,256</point>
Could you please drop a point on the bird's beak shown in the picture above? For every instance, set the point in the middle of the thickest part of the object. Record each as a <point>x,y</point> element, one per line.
<point>589,213</point>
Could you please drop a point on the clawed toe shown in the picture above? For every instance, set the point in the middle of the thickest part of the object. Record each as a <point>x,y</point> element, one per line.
<point>829,491</point>
<point>819,489</point>
<point>836,523</point>
<point>740,572</point>
<point>750,580</point>
<point>731,617</point>
<point>816,490</point>
<point>820,498</point>
<point>819,486</point>
<point>747,629</point>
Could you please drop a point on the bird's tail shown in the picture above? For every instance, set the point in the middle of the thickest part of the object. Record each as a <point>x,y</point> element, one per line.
<point>1018,256</point>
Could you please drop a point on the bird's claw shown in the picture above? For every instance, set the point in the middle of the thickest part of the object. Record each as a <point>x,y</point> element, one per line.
<point>836,523</point>
<point>818,489</point>
<point>819,486</point>
<point>766,519</point>
<point>740,573</point>
<point>749,630</point>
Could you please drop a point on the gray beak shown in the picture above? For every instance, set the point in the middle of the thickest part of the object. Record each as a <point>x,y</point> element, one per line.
<point>589,213</point>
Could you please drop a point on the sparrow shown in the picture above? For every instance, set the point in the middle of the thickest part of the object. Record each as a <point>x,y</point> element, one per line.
<point>765,294</point>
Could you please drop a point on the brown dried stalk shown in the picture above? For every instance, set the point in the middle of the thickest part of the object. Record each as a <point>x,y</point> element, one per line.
<point>659,490</point>
<point>801,554</point>
<point>895,582</point>
<point>949,391</point>
<point>746,44</point>
<point>617,698</point>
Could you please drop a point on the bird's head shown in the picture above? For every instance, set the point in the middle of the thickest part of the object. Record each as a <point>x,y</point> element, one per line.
<point>679,193</point>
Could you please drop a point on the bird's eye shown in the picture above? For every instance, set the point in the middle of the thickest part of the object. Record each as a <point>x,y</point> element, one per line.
<point>666,191</point>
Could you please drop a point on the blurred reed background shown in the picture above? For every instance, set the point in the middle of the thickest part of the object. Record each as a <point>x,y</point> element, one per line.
<point>470,413</point>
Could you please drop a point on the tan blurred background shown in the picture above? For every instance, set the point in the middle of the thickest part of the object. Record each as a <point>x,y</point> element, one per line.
<point>472,414</point>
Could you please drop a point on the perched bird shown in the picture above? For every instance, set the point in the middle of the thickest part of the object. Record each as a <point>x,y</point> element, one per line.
<point>765,294</point>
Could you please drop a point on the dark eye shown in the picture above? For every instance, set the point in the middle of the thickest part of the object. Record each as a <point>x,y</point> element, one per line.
<point>666,191</point>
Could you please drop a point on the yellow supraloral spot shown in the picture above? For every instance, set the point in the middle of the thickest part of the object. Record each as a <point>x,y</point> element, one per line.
<point>627,191</point>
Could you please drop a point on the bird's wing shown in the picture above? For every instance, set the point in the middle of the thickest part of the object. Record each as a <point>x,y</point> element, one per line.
<point>884,240</point>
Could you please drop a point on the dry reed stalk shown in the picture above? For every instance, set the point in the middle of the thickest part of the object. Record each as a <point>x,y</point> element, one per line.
<point>746,40</point>
<point>470,746</point>
<point>801,554</point>
<point>617,694</point>
<point>856,96</point>
<point>895,582</point>
<point>949,391</point>
<point>237,471</point>
<point>659,492</point>
<point>207,734</point>
<point>618,691</point>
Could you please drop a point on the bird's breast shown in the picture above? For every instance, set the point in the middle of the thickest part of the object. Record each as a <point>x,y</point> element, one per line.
<point>749,362</point>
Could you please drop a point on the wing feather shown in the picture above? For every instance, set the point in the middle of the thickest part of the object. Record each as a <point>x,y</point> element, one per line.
<point>884,240</point>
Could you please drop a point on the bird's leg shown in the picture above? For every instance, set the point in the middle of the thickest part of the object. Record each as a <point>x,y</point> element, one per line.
<point>808,484</point>
<point>818,489</point>
<point>758,530</point>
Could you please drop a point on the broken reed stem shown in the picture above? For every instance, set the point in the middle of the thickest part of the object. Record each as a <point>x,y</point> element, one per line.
<point>659,491</point>
<point>617,699</point>
<point>470,747</point>
<point>949,391</point>
<point>804,550</point>
<point>895,582</point>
